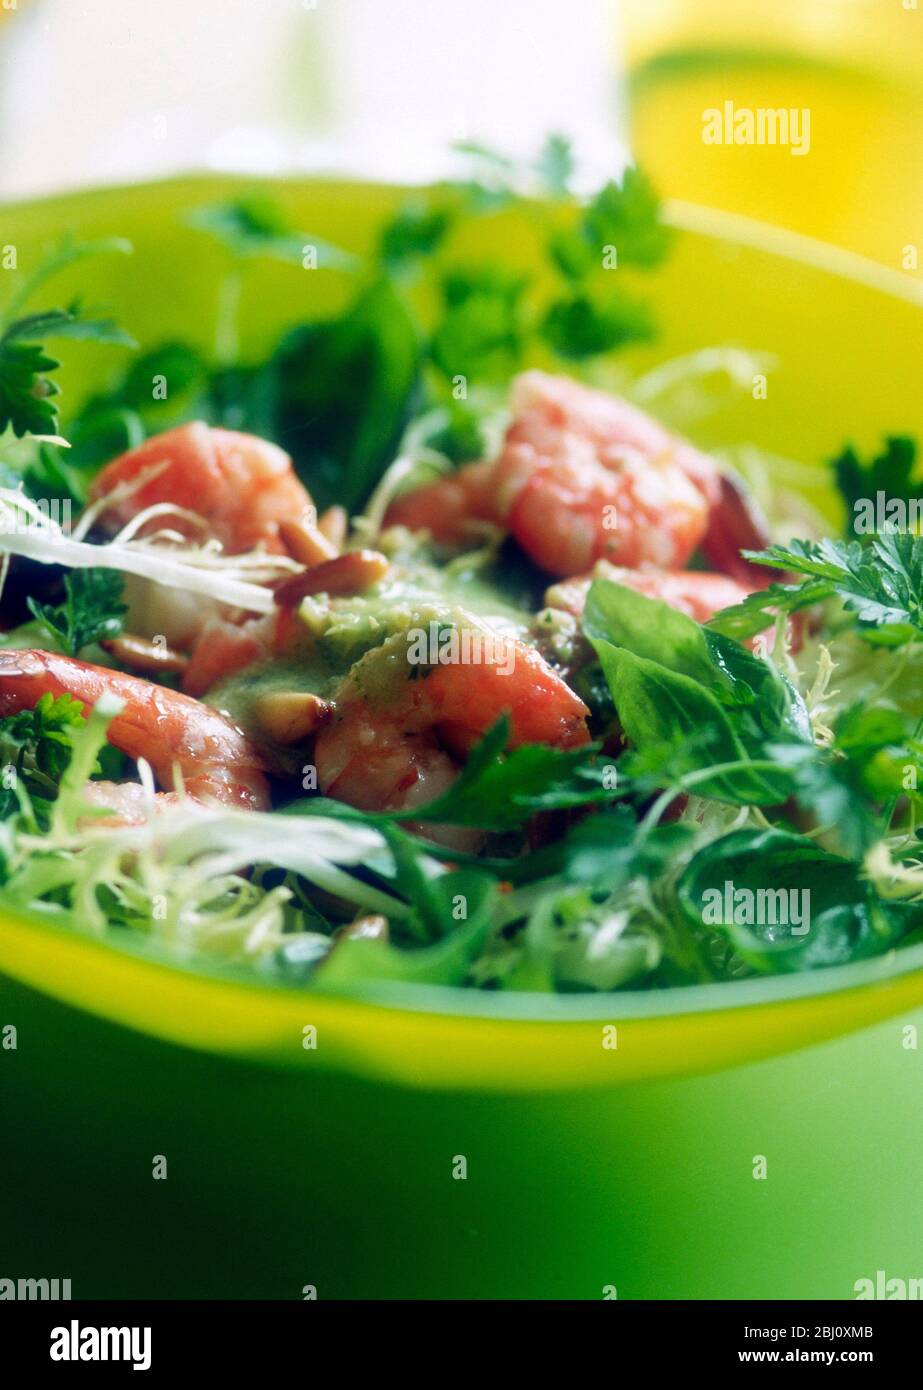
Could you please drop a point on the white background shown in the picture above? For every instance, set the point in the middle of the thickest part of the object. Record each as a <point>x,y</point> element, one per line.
<point>120,90</point>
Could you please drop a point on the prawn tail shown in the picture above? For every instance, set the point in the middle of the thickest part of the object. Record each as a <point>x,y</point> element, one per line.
<point>735,524</point>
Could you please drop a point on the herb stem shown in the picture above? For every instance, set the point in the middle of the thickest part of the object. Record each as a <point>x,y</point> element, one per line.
<point>692,779</point>
<point>227,327</point>
<point>891,804</point>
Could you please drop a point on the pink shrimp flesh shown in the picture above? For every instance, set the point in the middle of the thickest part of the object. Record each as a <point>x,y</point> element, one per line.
<point>241,486</point>
<point>697,593</point>
<point>171,731</point>
<point>400,733</point>
<point>583,476</point>
<point>449,508</point>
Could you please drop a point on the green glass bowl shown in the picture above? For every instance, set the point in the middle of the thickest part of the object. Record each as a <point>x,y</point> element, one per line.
<point>587,1165</point>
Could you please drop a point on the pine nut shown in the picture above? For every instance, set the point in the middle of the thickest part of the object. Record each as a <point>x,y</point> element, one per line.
<point>347,574</point>
<point>289,716</point>
<point>142,655</point>
<point>305,543</point>
<point>334,524</point>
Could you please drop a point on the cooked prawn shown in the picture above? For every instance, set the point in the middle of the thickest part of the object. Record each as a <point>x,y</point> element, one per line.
<point>584,476</point>
<point>400,732</point>
<point>452,509</point>
<point>216,485</point>
<point>697,593</point>
<point>240,487</point>
<point>172,732</point>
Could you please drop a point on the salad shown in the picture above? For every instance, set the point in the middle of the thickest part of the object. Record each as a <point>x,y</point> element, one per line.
<point>424,650</point>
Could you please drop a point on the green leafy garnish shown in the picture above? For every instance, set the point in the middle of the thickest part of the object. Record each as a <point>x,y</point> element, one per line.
<point>417,230</point>
<point>342,393</point>
<point>844,785</point>
<point>26,390</point>
<point>35,751</point>
<point>482,331</point>
<point>890,473</point>
<point>881,586</point>
<point>499,791</point>
<point>690,700</point>
<point>815,910</point>
<point>582,325</point>
<point>68,252</point>
<point>91,612</point>
<point>621,225</point>
<point>555,165</point>
<point>256,225</point>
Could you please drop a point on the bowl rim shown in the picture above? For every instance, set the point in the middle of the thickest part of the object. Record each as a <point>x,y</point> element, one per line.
<point>525,1006</point>
<point>711,224</point>
<point>715,224</point>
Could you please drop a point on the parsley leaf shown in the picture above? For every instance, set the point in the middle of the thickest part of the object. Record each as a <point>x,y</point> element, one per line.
<point>497,791</point>
<point>482,331</point>
<point>25,387</point>
<point>498,178</point>
<point>622,222</point>
<point>881,585</point>
<point>36,746</point>
<point>66,323</point>
<point>66,253</point>
<point>864,766</point>
<point>555,165</point>
<point>626,215</point>
<point>418,229</point>
<point>585,325</point>
<point>92,610</point>
<point>256,225</point>
<point>890,472</point>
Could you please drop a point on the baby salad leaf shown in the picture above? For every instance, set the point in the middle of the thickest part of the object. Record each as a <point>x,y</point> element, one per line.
<point>786,905</point>
<point>499,792</point>
<point>92,610</point>
<point>881,584</point>
<point>689,700</point>
<point>457,908</point>
<point>342,392</point>
<point>844,785</point>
